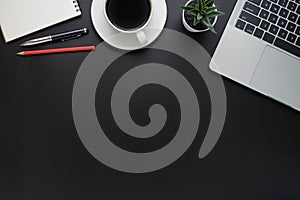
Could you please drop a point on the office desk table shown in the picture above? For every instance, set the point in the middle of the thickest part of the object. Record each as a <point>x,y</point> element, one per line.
<point>42,156</point>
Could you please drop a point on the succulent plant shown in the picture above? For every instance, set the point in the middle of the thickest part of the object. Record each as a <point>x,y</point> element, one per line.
<point>203,11</point>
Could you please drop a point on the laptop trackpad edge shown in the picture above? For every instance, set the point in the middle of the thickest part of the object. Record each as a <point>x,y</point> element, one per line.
<point>278,76</point>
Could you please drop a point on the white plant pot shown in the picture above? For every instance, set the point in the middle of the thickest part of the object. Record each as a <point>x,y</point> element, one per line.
<point>189,28</point>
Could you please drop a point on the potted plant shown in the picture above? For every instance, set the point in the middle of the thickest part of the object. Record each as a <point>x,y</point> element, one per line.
<point>200,15</point>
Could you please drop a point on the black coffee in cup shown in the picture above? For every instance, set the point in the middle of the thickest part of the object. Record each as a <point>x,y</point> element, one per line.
<point>128,14</point>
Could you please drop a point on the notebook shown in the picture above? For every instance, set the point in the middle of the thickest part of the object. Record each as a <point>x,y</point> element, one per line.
<point>20,18</point>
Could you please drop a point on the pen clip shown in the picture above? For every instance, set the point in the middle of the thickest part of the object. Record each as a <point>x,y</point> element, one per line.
<point>71,38</point>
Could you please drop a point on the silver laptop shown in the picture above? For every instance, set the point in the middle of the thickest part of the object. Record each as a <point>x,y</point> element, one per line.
<point>260,48</point>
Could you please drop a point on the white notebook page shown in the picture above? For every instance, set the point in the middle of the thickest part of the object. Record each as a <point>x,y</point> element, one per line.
<point>20,18</point>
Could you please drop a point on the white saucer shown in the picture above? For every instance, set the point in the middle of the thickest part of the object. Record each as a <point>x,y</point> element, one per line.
<point>127,41</point>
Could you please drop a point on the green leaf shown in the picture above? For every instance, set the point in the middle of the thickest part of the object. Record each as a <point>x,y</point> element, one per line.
<point>207,23</point>
<point>212,29</point>
<point>193,12</point>
<point>220,13</point>
<point>200,4</point>
<point>214,14</point>
<point>195,22</point>
<point>208,3</point>
<point>210,9</point>
<point>199,17</point>
<point>187,8</point>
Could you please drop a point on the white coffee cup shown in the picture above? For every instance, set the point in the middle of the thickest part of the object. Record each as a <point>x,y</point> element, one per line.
<point>139,31</point>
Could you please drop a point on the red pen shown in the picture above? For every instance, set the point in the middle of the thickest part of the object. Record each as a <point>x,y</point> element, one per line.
<point>59,50</point>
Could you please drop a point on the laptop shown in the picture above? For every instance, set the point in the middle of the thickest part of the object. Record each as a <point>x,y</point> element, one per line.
<point>260,48</point>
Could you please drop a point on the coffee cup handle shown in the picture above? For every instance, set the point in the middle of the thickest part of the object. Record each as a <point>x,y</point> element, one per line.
<point>142,38</point>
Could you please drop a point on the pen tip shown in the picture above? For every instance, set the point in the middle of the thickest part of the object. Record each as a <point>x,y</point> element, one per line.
<point>20,53</point>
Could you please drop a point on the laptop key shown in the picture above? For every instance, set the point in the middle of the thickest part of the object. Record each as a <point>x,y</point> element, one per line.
<point>240,24</point>
<point>249,28</point>
<point>282,33</point>
<point>298,31</point>
<point>287,47</point>
<point>283,3</point>
<point>291,38</point>
<point>291,27</point>
<point>298,22</point>
<point>273,18</point>
<point>282,22</point>
<point>274,1</point>
<point>250,18</point>
<point>274,8</point>
<point>283,12</point>
<point>257,2</point>
<point>258,33</point>
<point>264,14</point>
<point>266,4</point>
<point>298,41</point>
<point>269,38</point>
<point>292,17</point>
<point>291,6</point>
<point>298,10</point>
<point>251,8</point>
<point>274,29</point>
<point>264,25</point>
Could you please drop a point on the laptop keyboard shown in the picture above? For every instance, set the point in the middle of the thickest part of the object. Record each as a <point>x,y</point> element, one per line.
<point>274,21</point>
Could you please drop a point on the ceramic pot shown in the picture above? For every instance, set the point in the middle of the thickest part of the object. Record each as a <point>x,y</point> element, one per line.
<point>200,28</point>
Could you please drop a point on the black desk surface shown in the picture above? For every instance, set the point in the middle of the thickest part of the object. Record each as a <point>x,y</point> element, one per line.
<point>42,157</point>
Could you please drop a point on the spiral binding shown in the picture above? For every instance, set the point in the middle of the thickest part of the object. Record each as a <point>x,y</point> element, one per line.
<point>76,5</point>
